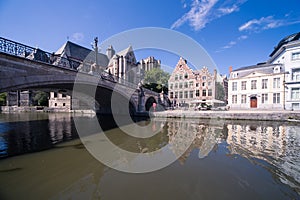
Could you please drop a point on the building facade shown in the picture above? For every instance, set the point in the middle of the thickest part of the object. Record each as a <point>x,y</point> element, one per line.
<point>186,86</point>
<point>258,86</point>
<point>274,84</point>
<point>287,53</point>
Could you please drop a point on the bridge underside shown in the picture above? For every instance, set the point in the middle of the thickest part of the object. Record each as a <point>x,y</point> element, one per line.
<point>20,74</point>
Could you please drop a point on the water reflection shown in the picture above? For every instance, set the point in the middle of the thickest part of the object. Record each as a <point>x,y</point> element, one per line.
<point>277,144</point>
<point>226,160</point>
<point>30,132</point>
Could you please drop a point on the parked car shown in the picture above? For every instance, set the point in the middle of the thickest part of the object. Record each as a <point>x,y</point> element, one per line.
<point>203,106</point>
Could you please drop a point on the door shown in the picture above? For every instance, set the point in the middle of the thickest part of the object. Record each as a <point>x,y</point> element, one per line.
<point>253,102</point>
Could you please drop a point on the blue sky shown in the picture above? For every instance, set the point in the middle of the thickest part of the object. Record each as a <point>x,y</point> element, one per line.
<point>234,32</point>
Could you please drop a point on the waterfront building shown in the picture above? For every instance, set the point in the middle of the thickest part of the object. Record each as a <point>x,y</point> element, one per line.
<point>287,54</point>
<point>258,86</point>
<point>19,98</point>
<point>274,84</point>
<point>187,86</point>
<point>59,102</point>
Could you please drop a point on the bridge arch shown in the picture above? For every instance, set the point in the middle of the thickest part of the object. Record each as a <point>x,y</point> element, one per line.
<point>149,103</point>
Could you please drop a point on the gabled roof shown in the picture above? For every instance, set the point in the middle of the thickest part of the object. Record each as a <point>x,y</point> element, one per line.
<point>259,65</point>
<point>125,51</point>
<point>77,52</point>
<point>263,68</point>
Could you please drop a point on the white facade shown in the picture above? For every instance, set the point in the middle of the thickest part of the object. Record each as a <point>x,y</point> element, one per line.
<point>289,56</point>
<point>58,101</point>
<point>257,87</point>
<point>271,85</point>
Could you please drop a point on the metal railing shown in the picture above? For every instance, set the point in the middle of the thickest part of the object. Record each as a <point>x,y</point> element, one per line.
<point>17,49</point>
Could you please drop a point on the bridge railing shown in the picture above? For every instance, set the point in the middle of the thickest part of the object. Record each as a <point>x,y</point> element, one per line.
<point>17,49</point>
<point>36,54</point>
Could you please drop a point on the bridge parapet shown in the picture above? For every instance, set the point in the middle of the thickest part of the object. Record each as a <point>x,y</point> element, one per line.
<point>47,69</point>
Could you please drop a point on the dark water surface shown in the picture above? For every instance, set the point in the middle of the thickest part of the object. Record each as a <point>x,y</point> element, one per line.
<point>41,157</point>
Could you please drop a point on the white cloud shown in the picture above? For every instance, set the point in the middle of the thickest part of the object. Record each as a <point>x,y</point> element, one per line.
<point>228,10</point>
<point>77,37</point>
<point>232,43</point>
<point>264,23</point>
<point>204,11</point>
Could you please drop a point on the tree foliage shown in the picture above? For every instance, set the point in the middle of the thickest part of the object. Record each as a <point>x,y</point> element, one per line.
<point>41,98</point>
<point>220,92</point>
<point>156,79</point>
<point>3,98</point>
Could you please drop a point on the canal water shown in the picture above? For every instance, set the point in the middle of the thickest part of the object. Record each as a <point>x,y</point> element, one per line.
<point>42,157</point>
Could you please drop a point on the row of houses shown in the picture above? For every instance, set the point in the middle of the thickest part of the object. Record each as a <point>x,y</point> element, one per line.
<point>274,84</point>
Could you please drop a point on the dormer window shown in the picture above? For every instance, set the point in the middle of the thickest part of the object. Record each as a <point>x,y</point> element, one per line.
<point>234,75</point>
<point>276,70</point>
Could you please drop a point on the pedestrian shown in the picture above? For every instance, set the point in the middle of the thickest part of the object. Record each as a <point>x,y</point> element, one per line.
<point>154,106</point>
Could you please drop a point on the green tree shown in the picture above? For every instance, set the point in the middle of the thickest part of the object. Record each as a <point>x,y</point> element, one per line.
<point>3,98</point>
<point>220,92</point>
<point>156,79</point>
<point>41,98</point>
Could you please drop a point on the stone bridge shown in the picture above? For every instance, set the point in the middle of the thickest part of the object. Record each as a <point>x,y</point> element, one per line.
<point>19,72</point>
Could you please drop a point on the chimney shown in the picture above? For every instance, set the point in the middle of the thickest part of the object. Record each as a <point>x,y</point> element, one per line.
<point>230,69</point>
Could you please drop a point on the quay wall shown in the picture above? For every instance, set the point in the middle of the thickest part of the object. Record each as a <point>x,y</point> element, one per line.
<point>232,115</point>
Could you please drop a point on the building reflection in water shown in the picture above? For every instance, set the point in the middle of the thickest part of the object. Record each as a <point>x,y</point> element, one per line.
<point>277,144</point>
<point>60,127</point>
<point>205,137</point>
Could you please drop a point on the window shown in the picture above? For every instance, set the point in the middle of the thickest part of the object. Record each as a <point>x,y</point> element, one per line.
<point>176,85</point>
<point>171,86</point>
<point>296,56</point>
<point>244,98</point>
<point>176,95</point>
<point>295,94</point>
<point>209,92</point>
<point>197,93</point>
<point>64,104</point>
<point>203,92</point>
<point>180,95</point>
<point>171,95</point>
<point>296,74</point>
<point>55,104</point>
<point>55,95</point>
<point>276,83</point>
<point>180,76</point>
<point>180,85</point>
<point>186,75</point>
<point>253,84</point>
<point>234,86</point>
<point>191,83</point>
<point>197,84</point>
<point>264,84</point>
<point>264,98</point>
<point>203,84</point>
<point>64,95</point>
<point>295,106</point>
<point>204,78</point>
<point>191,94</point>
<point>209,83</point>
<point>176,77</point>
<point>276,98</point>
<point>234,99</point>
<point>244,85</point>
<point>186,85</point>
<point>186,94</point>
